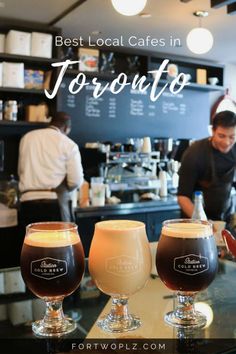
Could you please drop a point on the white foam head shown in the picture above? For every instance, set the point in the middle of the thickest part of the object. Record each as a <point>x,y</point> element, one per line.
<point>52,239</point>
<point>187,230</point>
<point>120,225</point>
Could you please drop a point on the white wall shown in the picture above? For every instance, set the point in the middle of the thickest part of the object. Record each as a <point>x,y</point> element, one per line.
<point>230,79</point>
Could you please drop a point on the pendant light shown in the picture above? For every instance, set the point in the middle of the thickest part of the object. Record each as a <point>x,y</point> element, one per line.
<point>129,7</point>
<point>200,40</point>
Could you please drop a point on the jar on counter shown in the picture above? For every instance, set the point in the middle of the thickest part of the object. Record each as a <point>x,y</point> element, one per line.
<point>10,110</point>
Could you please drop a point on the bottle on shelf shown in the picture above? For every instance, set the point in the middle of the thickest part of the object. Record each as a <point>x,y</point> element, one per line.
<point>198,211</point>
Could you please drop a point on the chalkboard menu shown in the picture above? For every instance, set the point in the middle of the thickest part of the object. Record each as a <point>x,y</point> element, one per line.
<point>131,113</point>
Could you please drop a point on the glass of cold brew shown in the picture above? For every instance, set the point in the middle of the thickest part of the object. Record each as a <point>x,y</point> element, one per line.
<point>52,266</point>
<point>187,263</point>
<point>120,265</point>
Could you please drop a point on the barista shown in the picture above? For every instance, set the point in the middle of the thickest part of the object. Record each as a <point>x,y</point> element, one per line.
<point>49,168</point>
<point>209,165</point>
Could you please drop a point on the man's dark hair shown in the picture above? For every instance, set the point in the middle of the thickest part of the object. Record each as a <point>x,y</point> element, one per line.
<point>61,119</point>
<point>226,119</point>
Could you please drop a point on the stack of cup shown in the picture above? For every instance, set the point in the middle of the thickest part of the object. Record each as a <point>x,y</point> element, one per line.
<point>147,146</point>
<point>163,183</point>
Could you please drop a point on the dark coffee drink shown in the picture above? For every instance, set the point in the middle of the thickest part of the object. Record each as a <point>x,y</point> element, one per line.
<point>52,265</point>
<point>186,257</point>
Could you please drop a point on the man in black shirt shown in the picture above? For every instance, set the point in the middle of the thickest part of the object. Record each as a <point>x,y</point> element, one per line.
<point>209,165</point>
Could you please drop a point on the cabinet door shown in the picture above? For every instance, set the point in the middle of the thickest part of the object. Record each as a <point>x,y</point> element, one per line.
<point>155,220</point>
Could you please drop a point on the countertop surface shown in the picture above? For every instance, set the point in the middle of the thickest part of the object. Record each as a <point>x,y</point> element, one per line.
<point>168,203</point>
<point>150,304</point>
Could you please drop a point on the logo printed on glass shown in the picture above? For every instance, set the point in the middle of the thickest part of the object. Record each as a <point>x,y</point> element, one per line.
<point>122,266</point>
<point>191,264</point>
<point>48,268</point>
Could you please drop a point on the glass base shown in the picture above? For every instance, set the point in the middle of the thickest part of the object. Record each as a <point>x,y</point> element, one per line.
<point>196,321</point>
<point>55,330</point>
<point>119,325</point>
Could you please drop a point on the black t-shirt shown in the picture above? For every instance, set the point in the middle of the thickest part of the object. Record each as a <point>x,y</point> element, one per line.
<point>196,166</point>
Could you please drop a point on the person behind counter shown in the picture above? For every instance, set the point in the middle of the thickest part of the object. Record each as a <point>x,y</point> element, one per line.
<point>209,165</point>
<point>49,168</point>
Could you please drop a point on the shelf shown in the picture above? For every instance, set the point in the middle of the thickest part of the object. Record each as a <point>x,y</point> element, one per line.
<point>27,58</point>
<point>21,90</point>
<point>91,74</point>
<point>21,123</point>
<point>190,66</point>
<point>110,77</point>
<point>99,75</point>
<point>194,86</point>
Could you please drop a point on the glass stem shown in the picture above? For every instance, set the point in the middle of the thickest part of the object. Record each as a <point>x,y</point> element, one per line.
<point>119,309</point>
<point>185,306</point>
<point>54,315</point>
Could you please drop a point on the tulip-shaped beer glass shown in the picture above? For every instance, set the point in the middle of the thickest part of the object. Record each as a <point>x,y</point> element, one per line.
<point>52,266</point>
<point>120,264</point>
<point>186,262</point>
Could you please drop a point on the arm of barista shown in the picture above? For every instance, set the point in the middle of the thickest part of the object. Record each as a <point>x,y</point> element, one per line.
<point>74,170</point>
<point>20,167</point>
<point>186,205</point>
<point>188,177</point>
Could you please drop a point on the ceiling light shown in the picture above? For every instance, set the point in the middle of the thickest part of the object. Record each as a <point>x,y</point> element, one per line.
<point>200,40</point>
<point>129,7</point>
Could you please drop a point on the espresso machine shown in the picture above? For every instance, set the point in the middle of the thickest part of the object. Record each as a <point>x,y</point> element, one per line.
<point>164,146</point>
